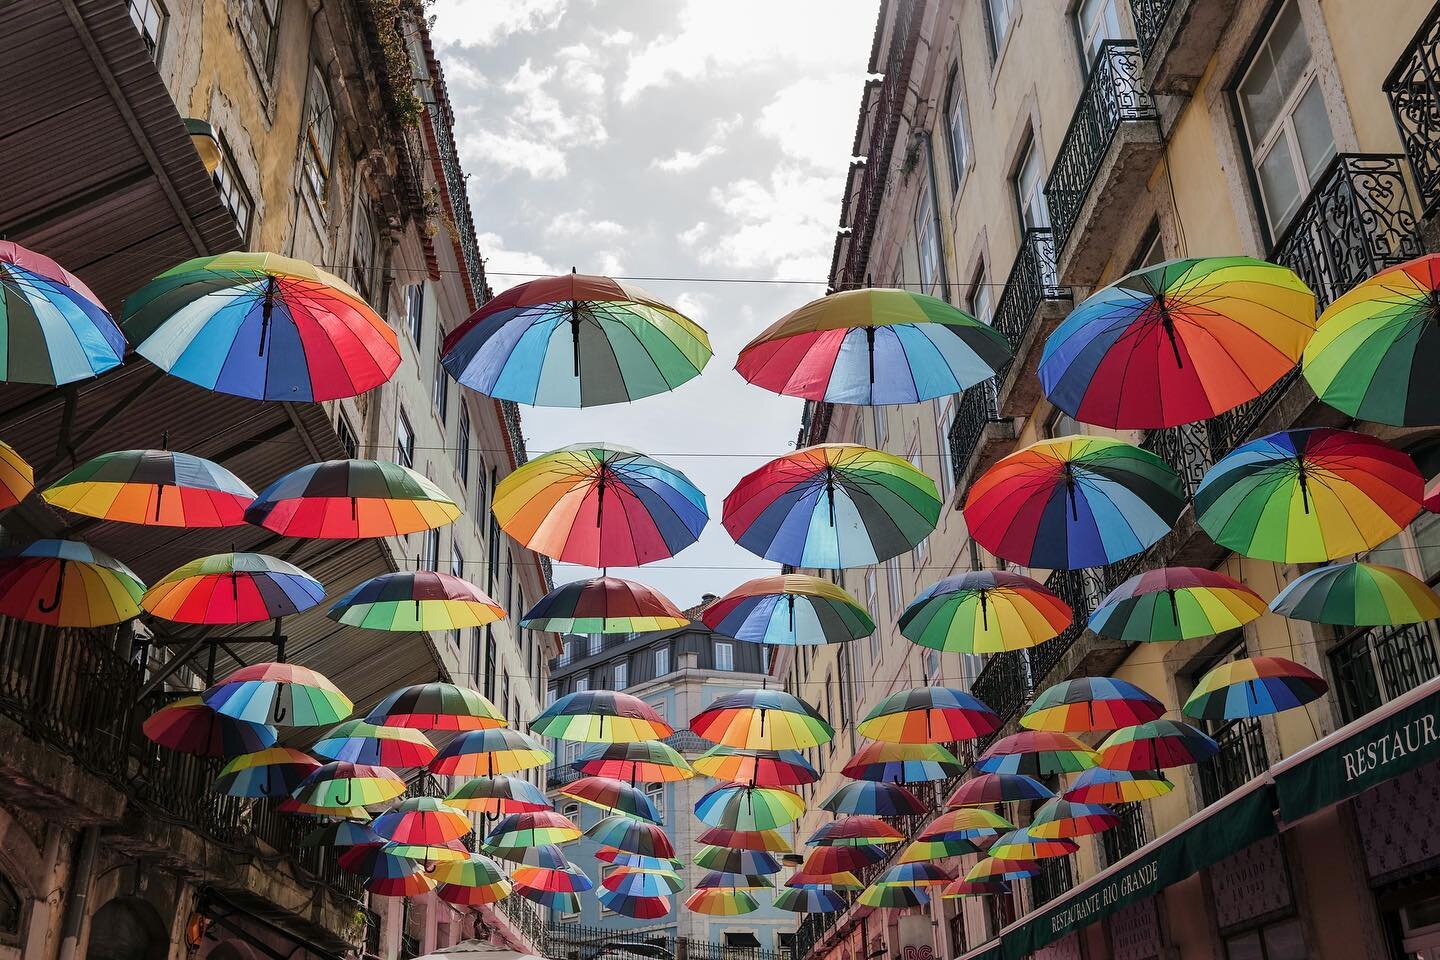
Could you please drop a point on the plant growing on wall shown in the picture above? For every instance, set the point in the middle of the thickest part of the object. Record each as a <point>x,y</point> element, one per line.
<point>388,17</point>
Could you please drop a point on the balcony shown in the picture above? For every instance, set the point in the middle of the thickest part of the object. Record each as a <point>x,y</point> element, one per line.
<point>1177,39</point>
<point>1077,651</point>
<point>1242,758</point>
<point>1005,686</point>
<point>1055,877</point>
<point>1127,836</point>
<point>978,435</point>
<point>1031,306</point>
<point>1375,666</point>
<point>1413,88</point>
<point>1104,162</point>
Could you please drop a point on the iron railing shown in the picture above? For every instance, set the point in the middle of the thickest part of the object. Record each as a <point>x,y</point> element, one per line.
<point>1114,94</point>
<point>1055,877</point>
<point>1032,280</point>
<point>1377,665</point>
<point>455,185</point>
<point>1187,448</point>
<point>1083,590</point>
<point>1242,758</point>
<point>1150,17</point>
<point>1004,685</point>
<point>529,920</point>
<point>1413,88</point>
<point>1127,836</point>
<point>577,941</point>
<point>559,774</point>
<point>978,407</point>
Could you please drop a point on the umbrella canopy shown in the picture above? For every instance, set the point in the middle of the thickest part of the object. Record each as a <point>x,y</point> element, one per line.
<point>903,763</point>
<point>419,600</point>
<point>341,833</point>
<point>568,879</point>
<point>54,328</point>
<point>361,742</point>
<point>1302,496</point>
<point>489,753</point>
<point>289,805</point>
<point>1073,502</point>
<point>534,829</point>
<point>351,500</point>
<point>811,900</point>
<point>1178,342</point>
<point>1099,785</point>
<point>789,610</point>
<point>636,861</point>
<point>280,694</point>
<point>1358,594</point>
<point>893,897</point>
<point>613,796</point>
<point>762,719</point>
<point>757,768</point>
<point>719,902</point>
<point>159,488</point>
<point>994,869</point>
<point>546,856</point>
<point>1253,687</point>
<point>728,860</point>
<point>64,583</point>
<point>1175,603</point>
<point>718,880</point>
<point>829,862</point>
<point>874,346</point>
<point>1068,819</point>
<point>642,883</point>
<point>436,706</point>
<point>638,908</point>
<point>227,588</point>
<point>966,823</point>
<point>631,836</point>
<point>873,799</point>
<point>739,807</point>
<point>272,772</point>
<point>556,901</point>
<point>984,611</point>
<point>189,725</point>
<point>499,794</point>
<point>1088,704</point>
<point>600,716</point>
<point>928,715</point>
<point>604,605</point>
<point>17,478</point>
<point>575,341</point>
<point>988,788</point>
<point>1023,845</point>
<point>832,506</point>
<point>769,841</point>
<point>1156,745</point>
<point>917,873</point>
<point>844,880</point>
<point>973,888</point>
<point>862,830</point>
<point>1374,350</point>
<point>921,851</point>
<point>262,326</point>
<point>1036,753</point>
<point>339,785</point>
<point>637,761</point>
<point>474,871</point>
<point>422,820</point>
<point>369,859</point>
<point>467,896</point>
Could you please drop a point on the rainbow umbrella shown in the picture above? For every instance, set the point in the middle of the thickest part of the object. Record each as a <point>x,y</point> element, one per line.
<point>892,897</point>
<point>1088,704</point>
<point>1358,594</point>
<point>1302,496</point>
<point>1021,845</point>
<point>462,895</point>
<point>631,836</point>
<point>339,785</point>
<point>993,869</point>
<point>559,504</point>
<point>489,753</point>
<point>189,725</point>
<point>227,588</point>
<point>719,902</point>
<point>928,715</point>
<point>844,880</point>
<point>362,858</point>
<point>921,851</point>
<point>1099,785</point>
<point>757,768</point>
<point>854,831</point>
<point>990,788</point>
<point>429,853</point>
<point>1057,818</point>
<point>811,900</point>
<point>575,341</point>
<point>289,805</point>
<point>272,772</point>
<point>475,871</point>
<point>642,883</point>
<point>603,605</point>
<point>768,841</point>
<point>1253,687</point>
<point>789,610</point>
<point>638,908</point>
<point>762,719</point>
<point>341,833</point>
<point>567,879</point>
<point>351,500</point>
<point>63,583</point>
<point>600,716</point>
<point>499,794</point>
<point>728,860</point>
<point>874,346</point>
<point>718,879</point>
<point>1036,753</point>
<point>914,874</point>
<point>965,823</point>
<point>436,706</point>
<point>422,820</point>
<point>829,861</point>
<point>279,693</point>
<point>556,901</point>
<point>391,881</point>
<point>973,888</point>
<point>648,761</point>
<point>1178,342</point>
<point>17,478</point>
<point>423,600</point>
<point>262,326</point>
<point>984,611</point>
<point>1156,745</point>
<point>636,861</point>
<point>1073,502</point>
<point>538,828</point>
<point>546,856</point>
<point>1374,345</point>
<point>833,506</point>
<point>54,329</point>
<point>873,799</point>
<point>1175,603</point>
<point>361,742</point>
<point>613,796</point>
<point>155,487</point>
<point>739,807</point>
<point>903,763</point>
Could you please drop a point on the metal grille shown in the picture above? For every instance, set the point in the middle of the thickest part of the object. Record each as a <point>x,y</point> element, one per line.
<point>1414,91</point>
<point>978,407</point>
<point>1055,877</point>
<point>1377,665</point>
<point>1127,836</point>
<point>1150,17</point>
<point>1241,759</point>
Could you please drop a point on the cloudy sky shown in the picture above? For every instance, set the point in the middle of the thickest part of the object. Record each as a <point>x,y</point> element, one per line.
<point>665,138</point>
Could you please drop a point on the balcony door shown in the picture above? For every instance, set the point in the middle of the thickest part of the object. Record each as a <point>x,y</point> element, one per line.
<point>1096,21</point>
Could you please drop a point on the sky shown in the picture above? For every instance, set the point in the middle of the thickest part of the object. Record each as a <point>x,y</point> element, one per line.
<point>673,139</point>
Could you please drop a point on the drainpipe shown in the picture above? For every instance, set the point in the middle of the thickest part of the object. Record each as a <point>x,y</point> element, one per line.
<point>79,894</point>
<point>935,213</point>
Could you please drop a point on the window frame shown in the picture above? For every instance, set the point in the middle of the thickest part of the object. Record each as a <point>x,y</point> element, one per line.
<point>1084,34</point>
<point>404,439</point>
<point>927,241</point>
<point>440,390</point>
<point>959,151</point>
<point>318,152</point>
<point>155,45</point>
<point>364,239</point>
<point>230,183</point>
<point>415,312</point>
<point>1030,152</point>
<point>996,31</point>
<point>462,445</point>
<point>620,674</point>
<point>660,654</point>
<point>349,442</point>
<point>729,657</point>
<point>430,550</point>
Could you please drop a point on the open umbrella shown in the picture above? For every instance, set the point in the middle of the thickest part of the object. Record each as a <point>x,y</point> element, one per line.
<point>638,908</point>
<point>555,900</point>
<point>280,694</point>
<point>719,902</point>
<point>1073,502</point>
<point>189,725</point>
<point>768,841</point>
<point>728,860</point>
<point>422,820</point>
<point>762,719</point>
<point>844,880</point>
<point>341,834</point>
<point>917,873</point>
<point>1022,845</point>
<point>1254,687</point>
<point>757,768</point>
<point>1175,603</point>
<point>262,326</point>
<point>984,611</point>
<point>575,341</point>
<point>54,329</point>
<point>830,861</point>
<point>612,796</point>
<point>928,715</point>
<point>739,807</point>
<point>1301,496</point>
<point>631,836</point>
<point>902,763</point>
<point>359,741</point>
<point>418,600</point>
<point>1068,819</point>
<point>788,610</point>
<point>338,785</point>
<point>64,583</point>
<point>1088,704</point>
<point>855,831</point>
<point>1156,745</point>
<point>291,806</point>
<point>488,753</point>
<point>892,897</point>
<point>1358,594</point>
<point>497,794</point>
<point>436,706</point>
<point>568,879</point>
<point>537,828</point>
<point>1099,785</point>
<point>272,772</point>
<point>642,883</point>
<point>391,880</point>
<point>227,588</point>
<point>1376,345</point>
<point>832,506</point>
<point>874,346</point>
<point>873,799</point>
<point>990,788</point>
<point>603,605</point>
<point>1036,753</point>
<point>351,500</point>
<point>600,716</point>
<point>973,888</point>
<point>546,856</point>
<point>993,868</point>
<point>159,488</point>
<point>1178,342</point>
<point>17,478</point>
<point>809,900</point>
<point>636,861</point>
<point>463,895</point>
<point>475,871</point>
<point>923,851</point>
<point>637,761</point>
<point>965,823</point>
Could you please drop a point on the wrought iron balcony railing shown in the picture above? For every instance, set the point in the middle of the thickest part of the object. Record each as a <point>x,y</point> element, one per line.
<point>1377,665</point>
<point>978,407</point>
<point>1114,94</point>
<point>1083,590</point>
<point>1150,17</point>
<point>1032,280</point>
<point>1005,686</point>
<point>455,186</point>
<point>1056,876</point>
<point>1242,758</point>
<point>1413,88</point>
<point>1127,836</point>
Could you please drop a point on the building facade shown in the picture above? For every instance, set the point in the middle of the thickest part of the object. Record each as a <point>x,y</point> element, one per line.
<point>143,133</point>
<point>1011,157</point>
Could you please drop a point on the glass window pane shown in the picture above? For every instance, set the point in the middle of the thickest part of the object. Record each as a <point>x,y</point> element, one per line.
<point>1426,531</point>
<point>1260,97</point>
<point>1285,941</point>
<point>1289,48</point>
<point>1278,185</point>
<point>999,21</point>
<point>1312,132</point>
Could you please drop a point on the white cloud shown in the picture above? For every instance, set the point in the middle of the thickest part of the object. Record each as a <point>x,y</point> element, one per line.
<point>535,131</point>
<point>813,118</point>
<point>618,38</point>
<point>543,161</point>
<point>512,264</point>
<point>695,234</point>
<point>608,264</point>
<point>786,223</point>
<point>682,161</point>
<point>487,22</point>
<point>540,111</point>
<point>579,224</point>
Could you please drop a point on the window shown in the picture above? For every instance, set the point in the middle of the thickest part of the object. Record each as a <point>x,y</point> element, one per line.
<point>571,812</point>
<point>551,694</point>
<point>581,684</point>
<point>404,440</point>
<point>620,675</point>
<point>927,242</point>
<point>1029,185</point>
<point>656,793</point>
<point>956,135</point>
<point>1277,941</point>
<point>12,907</point>
<point>233,194</point>
<point>481,510</point>
<point>348,443</point>
<point>457,561</point>
<point>319,143</point>
<point>892,586</point>
<point>1283,111</point>
<point>564,658</point>
<point>1151,250</point>
<point>1061,424</point>
<point>921,551</point>
<point>462,447</point>
<point>430,550</point>
<point>262,30</point>
<point>149,18</point>
<point>998,14</point>
<point>945,418</point>
<point>724,655</point>
<point>981,302</point>
<point>505,690</point>
<point>1097,22</point>
<point>362,251</point>
<point>662,661</point>
<point>415,311</point>
<point>661,708</point>
<point>440,390</point>
<point>596,641</point>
